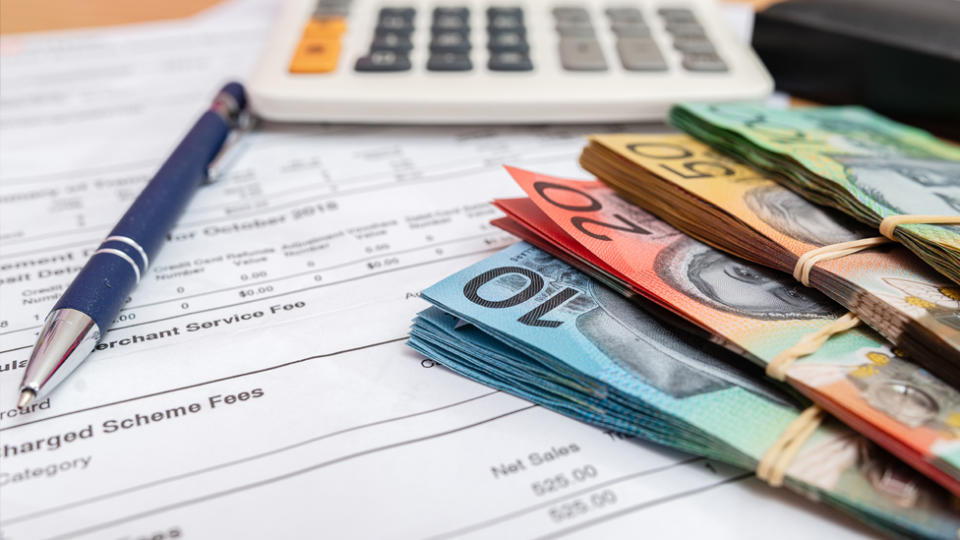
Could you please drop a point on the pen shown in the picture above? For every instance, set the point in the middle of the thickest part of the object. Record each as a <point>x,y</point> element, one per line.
<point>82,315</point>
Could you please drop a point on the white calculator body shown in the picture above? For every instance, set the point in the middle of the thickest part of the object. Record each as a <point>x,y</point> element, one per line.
<point>499,61</point>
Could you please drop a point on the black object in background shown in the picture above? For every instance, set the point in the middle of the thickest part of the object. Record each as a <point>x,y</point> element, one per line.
<point>899,58</point>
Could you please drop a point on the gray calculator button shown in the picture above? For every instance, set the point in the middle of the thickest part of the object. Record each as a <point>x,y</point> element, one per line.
<point>446,11</point>
<point>640,54</point>
<point>704,62</point>
<point>677,14</point>
<point>509,61</point>
<point>330,11</point>
<point>581,55</point>
<point>630,29</point>
<point>508,41</point>
<point>575,29</point>
<point>449,61</point>
<point>625,14</point>
<point>694,45</point>
<point>383,61</point>
<point>686,29</point>
<point>392,41</point>
<point>332,5</point>
<point>571,14</point>
<point>450,42</point>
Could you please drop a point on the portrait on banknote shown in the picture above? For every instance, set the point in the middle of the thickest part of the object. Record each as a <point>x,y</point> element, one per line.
<point>728,284</point>
<point>907,185</point>
<point>794,216</point>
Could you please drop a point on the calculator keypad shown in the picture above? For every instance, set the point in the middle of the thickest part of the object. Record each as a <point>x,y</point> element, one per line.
<point>579,48</point>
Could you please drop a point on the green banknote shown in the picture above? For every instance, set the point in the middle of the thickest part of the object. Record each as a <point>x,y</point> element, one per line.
<point>849,158</point>
<point>527,323</point>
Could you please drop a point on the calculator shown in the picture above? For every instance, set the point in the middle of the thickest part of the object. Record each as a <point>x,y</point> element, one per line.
<point>423,61</point>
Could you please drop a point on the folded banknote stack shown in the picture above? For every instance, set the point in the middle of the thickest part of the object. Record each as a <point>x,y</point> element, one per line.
<point>744,212</point>
<point>869,167</point>
<point>694,300</point>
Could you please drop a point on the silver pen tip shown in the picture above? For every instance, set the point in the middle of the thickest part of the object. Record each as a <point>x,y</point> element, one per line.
<point>26,396</point>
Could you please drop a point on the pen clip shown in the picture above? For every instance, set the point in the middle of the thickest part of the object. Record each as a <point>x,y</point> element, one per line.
<point>221,164</point>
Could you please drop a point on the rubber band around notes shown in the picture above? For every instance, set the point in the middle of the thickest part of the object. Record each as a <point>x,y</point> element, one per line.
<point>773,466</point>
<point>808,344</point>
<point>806,262</point>
<point>890,223</point>
<point>775,461</point>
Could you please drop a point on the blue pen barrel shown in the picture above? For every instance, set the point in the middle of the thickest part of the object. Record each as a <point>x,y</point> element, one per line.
<point>102,286</point>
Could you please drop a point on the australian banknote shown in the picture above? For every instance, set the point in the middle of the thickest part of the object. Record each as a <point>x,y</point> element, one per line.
<point>739,209</point>
<point>529,324</point>
<point>849,158</point>
<point>755,311</point>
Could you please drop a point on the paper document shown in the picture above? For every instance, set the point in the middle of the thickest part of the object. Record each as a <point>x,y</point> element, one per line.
<point>256,385</point>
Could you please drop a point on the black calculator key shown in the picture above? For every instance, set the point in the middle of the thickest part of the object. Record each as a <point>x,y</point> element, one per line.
<point>396,23</point>
<point>508,41</point>
<point>514,12</point>
<point>407,13</point>
<point>383,61</point>
<point>450,22</point>
<point>450,42</point>
<point>505,23</point>
<point>462,12</point>
<point>449,61</point>
<point>509,61</point>
<point>404,33</point>
<point>392,41</point>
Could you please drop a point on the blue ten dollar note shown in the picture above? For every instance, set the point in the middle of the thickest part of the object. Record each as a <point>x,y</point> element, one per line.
<point>529,324</point>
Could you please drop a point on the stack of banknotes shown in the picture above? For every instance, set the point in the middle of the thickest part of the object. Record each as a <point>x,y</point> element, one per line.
<point>851,159</point>
<point>659,302</point>
<point>744,212</point>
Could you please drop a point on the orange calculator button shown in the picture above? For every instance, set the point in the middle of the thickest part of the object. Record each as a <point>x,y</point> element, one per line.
<point>319,47</point>
<point>325,27</point>
<point>316,55</point>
